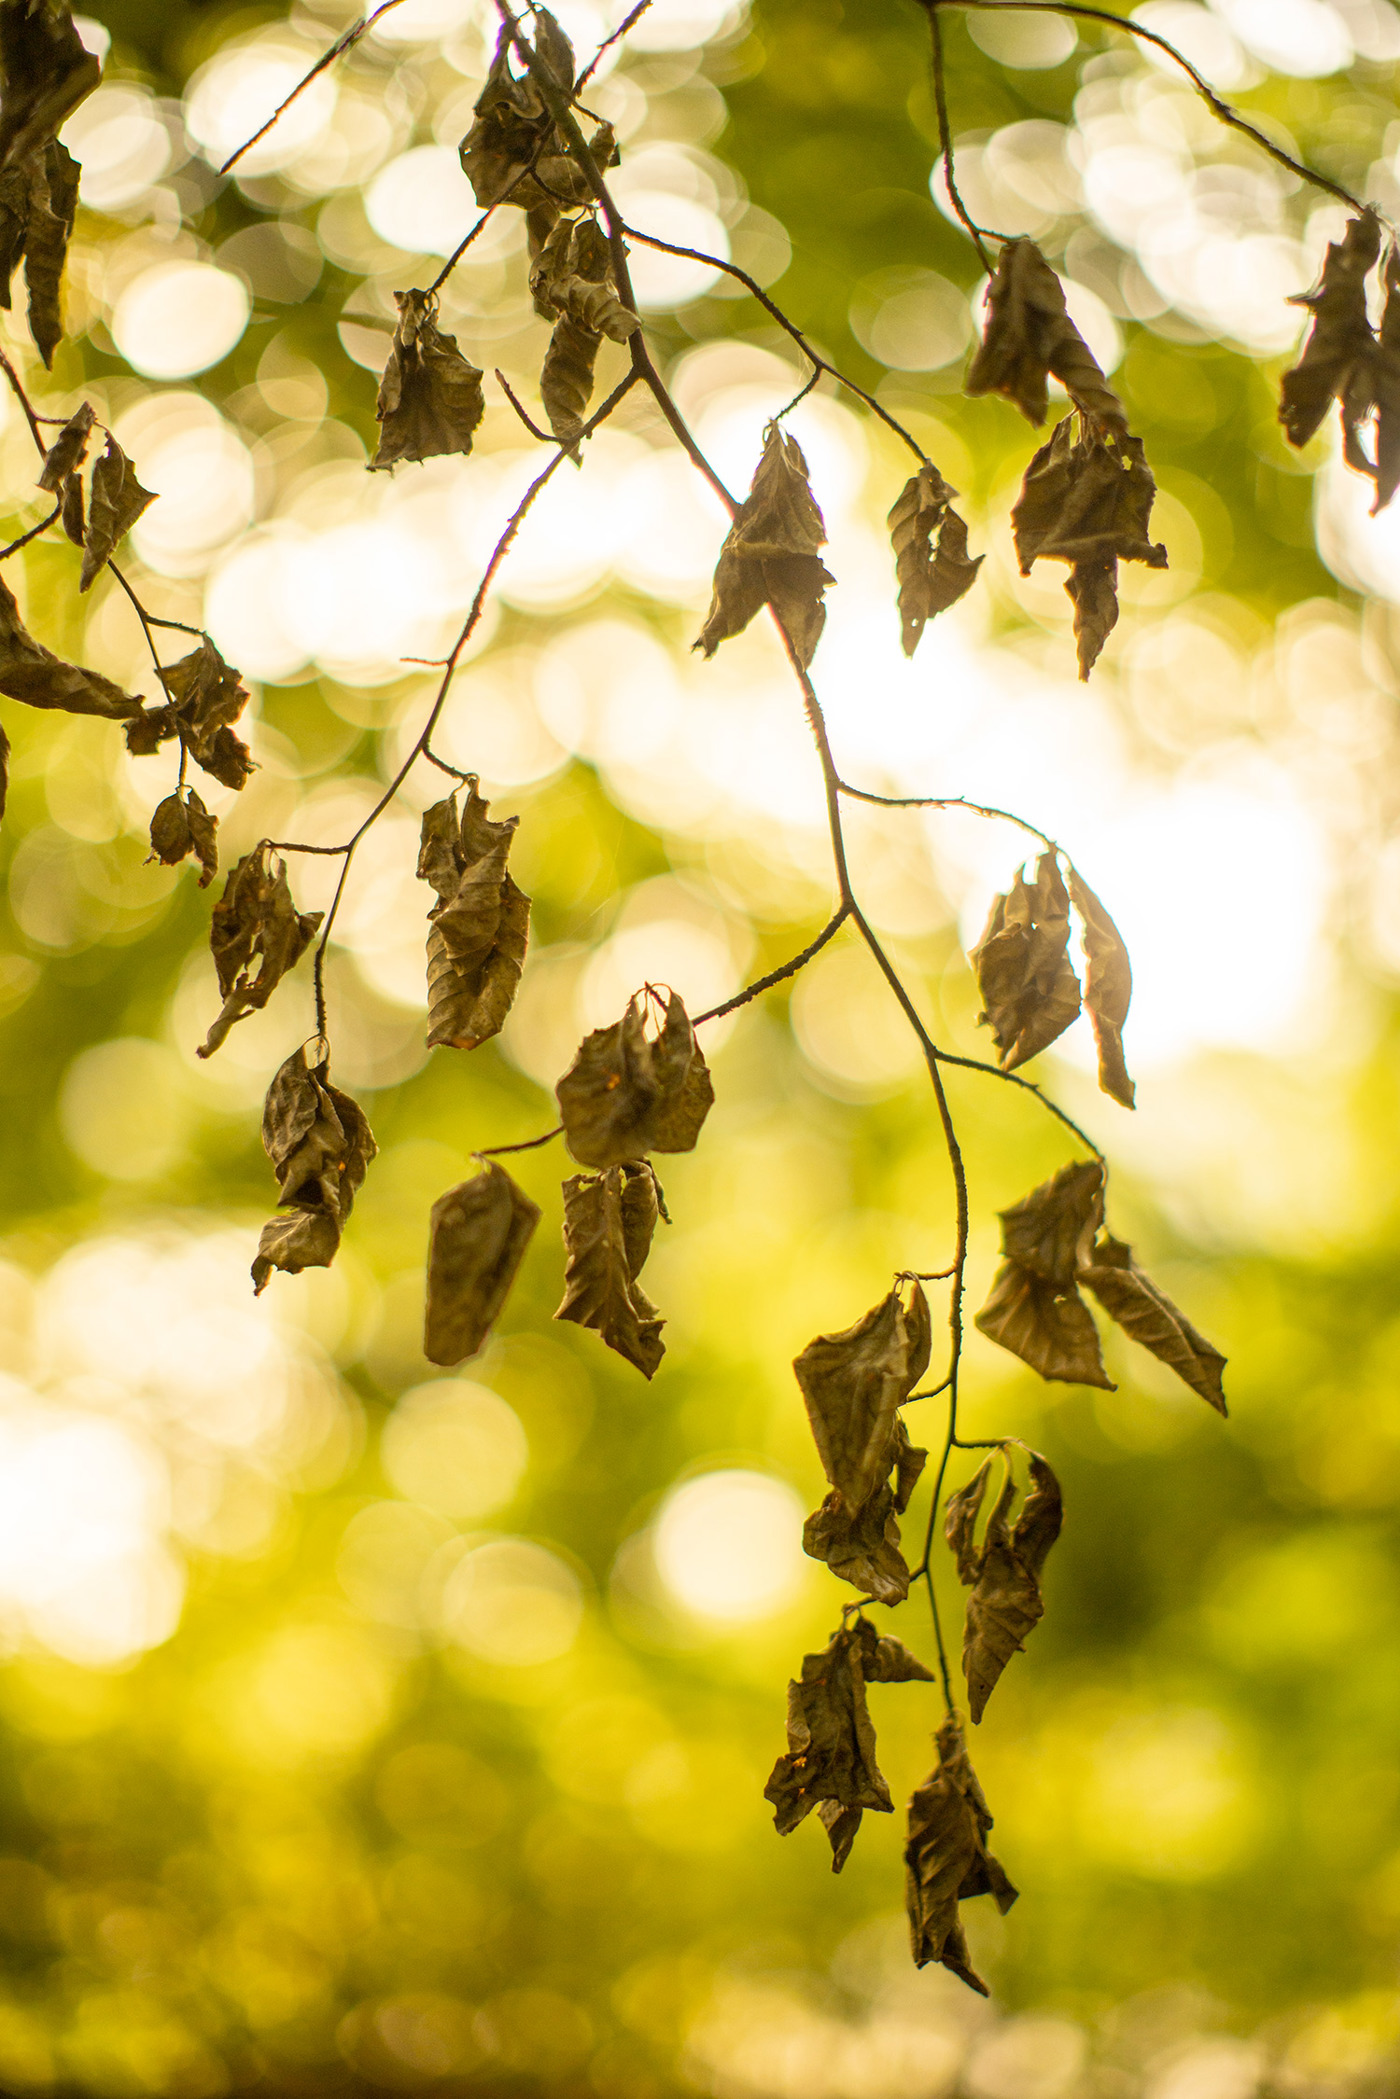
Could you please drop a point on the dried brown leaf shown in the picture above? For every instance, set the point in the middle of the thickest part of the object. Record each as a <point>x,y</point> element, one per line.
<point>860,1545</point>
<point>479,927</point>
<point>180,827</point>
<point>1108,988</point>
<point>1339,357</point>
<point>625,1095</point>
<point>566,377</point>
<point>1149,1316</point>
<point>51,214</point>
<point>68,449</point>
<point>478,1234</point>
<point>45,72</point>
<point>72,514</point>
<point>1029,990</point>
<point>430,397</point>
<point>320,1144</point>
<point>1029,335</point>
<point>116,501</point>
<point>254,918</point>
<point>929,581</point>
<point>854,1384</point>
<point>1003,1573</point>
<point>609,1219</point>
<point>510,130</point>
<point>1049,1232</point>
<point>947,1860</point>
<point>769,556</point>
<point>1048,1328</point>
<point>32,673</point>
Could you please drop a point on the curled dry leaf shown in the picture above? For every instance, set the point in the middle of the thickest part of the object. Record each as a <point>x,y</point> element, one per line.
<point>1034,1308</point>
<point>1004,1574</point>
<point>1339,357</point>
<point>1029,335</point>
<point>255,917</point>
<point>566,377</point>
<point>1108,988</point>
<point>830,1759</point>
<point>609,1219</point>
<point>320,1144</point>
<point>72,514</point>
<point>479,926</point>
<point>624,1094</point>
<point>574,275</point>
<point>115,502</point>
<point>206,696</point>
<point>861,1545</point>
<point>1387,387</point>
<point>947,1860</point>
<point>1087,499</point>
<point>854,1384</point>
<point>51,213</point>
<point>68,449</point>
<point>478,1234</point>
<point>1030,992</point>
<point>180,827</point>
<point>929,581</point>
<point>769,556</point>
<point>32,673</point>
<point>45,72</point>
<point>1133,1300</point>
<point>430,398</point>
<point>510,129</point>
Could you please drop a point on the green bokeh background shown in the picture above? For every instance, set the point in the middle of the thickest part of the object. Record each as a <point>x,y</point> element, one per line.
<point>294,1849</point>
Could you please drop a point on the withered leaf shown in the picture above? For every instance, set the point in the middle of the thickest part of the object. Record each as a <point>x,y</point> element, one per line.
<point>116,501</point>
<point>1087,499</point>
<point>430,397</point>
<point>1108,988</point>
<point>609,1219</point>
<point>72,515</point>
<point>1029,335</point>
<point>14,223</point>
<point>255,917</point>
<point>206,695</point>
<point>854,1384</point>
<point>179,827</point>
<point>1004,1574</point>
<point>68,449</point>
<point>1338,359</point>
<point>1030,992</point>
<point>860,1545</point>
<point>1049,1232</point>
<point>32,673</point>
<point>45,72</point>
<point>929,581</point>
<point>52,210</point>
<point>479,926</point>
<point>830,1759</point>
<point>510,129</point>
<point>947,1860</point>
<point>553,50</point>
<point>1387,387</point>
<point>566,377</point>
<point>769,556</point>
<point>563,179</point>
<point>319,1143</point>
<point>1148,1314</point>
<point>624,1094</point>
<point>478,1234</point>
<point>574,276</point>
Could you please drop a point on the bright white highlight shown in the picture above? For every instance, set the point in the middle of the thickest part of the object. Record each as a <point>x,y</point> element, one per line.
<point>456,1447</point>
<point>178,318</point>
<point>422,202</point>
<point>232,96</point>
<point>728,1545</point>
<point>121,142</point>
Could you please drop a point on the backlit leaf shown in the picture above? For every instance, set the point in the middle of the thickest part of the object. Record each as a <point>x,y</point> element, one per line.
<point>478,1233</point>
<point>51,214</point>
<point>929,581</point>
<point>1030,992</point>
<point>116,500</point>
<point>1339,357</point>
<point>254,919</point>
<point>861,1544</point>
<point>947,1860</point>
<point>181,826</point>
<point>1148,1314</point>
<point>509,131</point>
<point>566,377</point>
<point>1049,1328</point>
<point>769,556</point>
<point>1108,988</point>
<point>625,1095</point>
<point>1029,335</point>
<point>430,397</point>
<point>1049,1232</point>
<point>479,927</point>
<point>32,673</point>
<point>319,1143</point>
<point>1003,1573</point>
<point>609,1219</point>
<point>68,449</point>
<point>45,72</point>
<point>206,696</point>
<point>854,1384</point>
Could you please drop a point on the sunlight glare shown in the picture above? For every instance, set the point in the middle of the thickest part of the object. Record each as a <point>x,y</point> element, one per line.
<point>728,1545</point>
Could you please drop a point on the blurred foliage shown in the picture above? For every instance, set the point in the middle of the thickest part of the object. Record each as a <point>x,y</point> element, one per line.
<point>323,1835</point>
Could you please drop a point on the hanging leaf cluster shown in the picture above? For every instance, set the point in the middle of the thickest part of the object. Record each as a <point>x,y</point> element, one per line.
<point>573,283</point>
<point>479,926</point>
<point>1054,1243</point>
<point>1030,993</point>
<point>430,397</point>
<point>931,576</point>
<point>1003,1572</point>
<point>255,920</point>
<point>207,696</point>
<point>45,72</point>
<point>33,674</point>
<point>513,132</point>
<point>854,1384</point>
<point>829,1763</point>
<point>770,555</point>
<point>320,1144</point>
<point>947,1861</point>
<point>181,827</point>
<point>1345,360</point>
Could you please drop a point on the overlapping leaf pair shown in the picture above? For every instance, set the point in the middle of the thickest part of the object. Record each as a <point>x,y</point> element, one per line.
<point>1053,1242</point>
<point>1030,992</point>
<point>1087,494</point>
<point>1003,1572</point>
<point>115,497</point>
<point>319,1143</point>
<point>1346,360</point>
<point>573,284</point>
<point>45,72</point>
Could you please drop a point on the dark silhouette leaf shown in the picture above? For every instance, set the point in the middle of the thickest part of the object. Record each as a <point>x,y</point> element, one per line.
<point>320,1144</point>
<point>1003,1573</point>
<point>609,1219</point>
<point>769,556</point>
<point>479,927</point>
<point>181,826</point>
<point>1029,335</point>
<point>68,449</point>
<point>947,1860</point>
<point>1148,1314</point>
<point>1030,992</point>
<point>32,673</point>
<point>1108,988</point>
<point>115,502</point>
<point>1339,357</point>
<point>929,581</point>
<point>254,918</point>
<point>45,72</point>
<point>625,1095</point>
<point>478,1234</point>
<point>430,398</point>
<point>854,1384</point>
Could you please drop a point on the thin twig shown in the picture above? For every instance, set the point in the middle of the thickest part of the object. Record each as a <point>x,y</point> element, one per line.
<point>945,140</point>
<point>627,22</point>
<point>777,976</point>
<point>33,533</point>
<point>533,427</point>
<point>949,801</point>
<point>342,44</point>
<point>526,1144</point>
